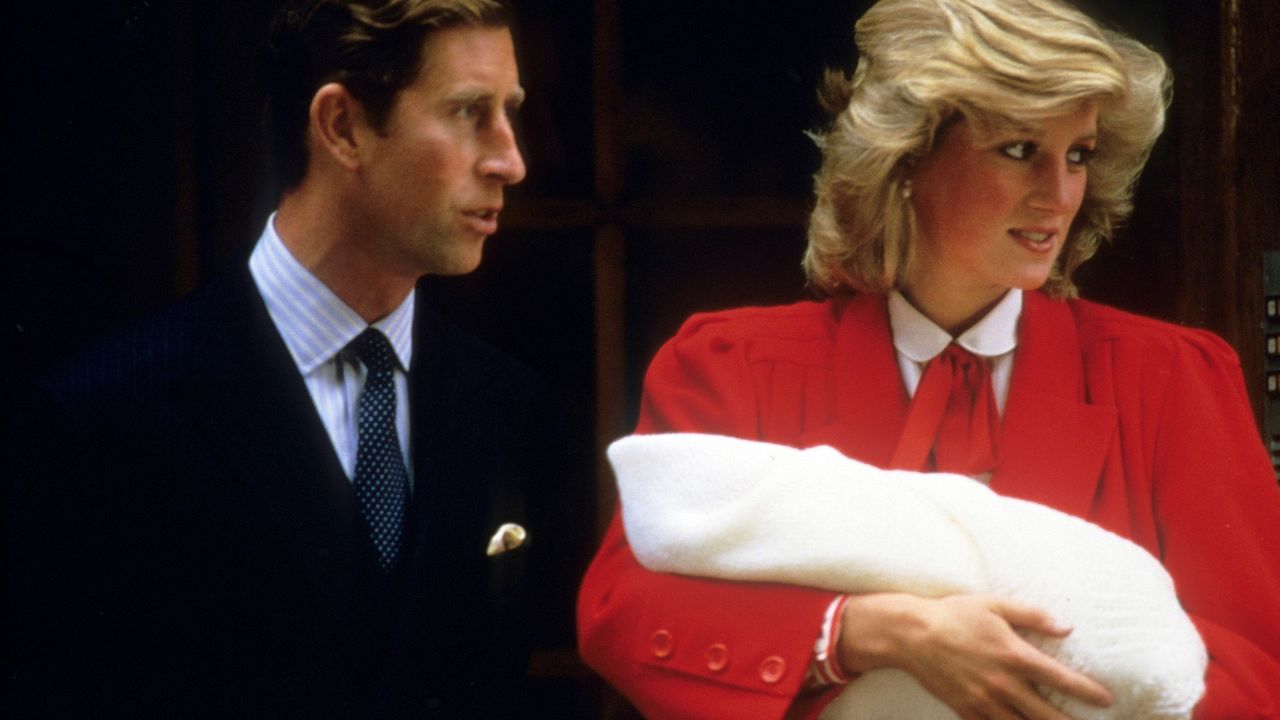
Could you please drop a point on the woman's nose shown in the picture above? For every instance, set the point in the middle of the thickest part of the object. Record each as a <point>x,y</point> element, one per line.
<point>1059,186</point>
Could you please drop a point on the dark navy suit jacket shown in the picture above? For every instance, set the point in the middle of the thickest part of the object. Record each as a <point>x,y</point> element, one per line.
<point>184,543</point>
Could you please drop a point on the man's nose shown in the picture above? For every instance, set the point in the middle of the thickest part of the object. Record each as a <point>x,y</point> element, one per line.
<point>502,159</point>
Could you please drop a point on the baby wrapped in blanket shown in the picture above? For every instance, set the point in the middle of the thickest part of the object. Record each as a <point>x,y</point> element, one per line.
<point>720,507</point>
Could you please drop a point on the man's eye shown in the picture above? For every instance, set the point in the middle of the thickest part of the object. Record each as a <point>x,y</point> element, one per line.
<point>473,111</point>
<point>1020,150</point>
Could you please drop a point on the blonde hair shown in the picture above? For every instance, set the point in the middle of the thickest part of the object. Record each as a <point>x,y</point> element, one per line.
<point>924,63</point>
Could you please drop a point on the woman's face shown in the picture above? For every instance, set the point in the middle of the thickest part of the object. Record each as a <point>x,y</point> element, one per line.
<point>994,210</point>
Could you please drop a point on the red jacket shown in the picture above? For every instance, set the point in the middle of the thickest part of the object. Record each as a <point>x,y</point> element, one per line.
<point>1137,425</point>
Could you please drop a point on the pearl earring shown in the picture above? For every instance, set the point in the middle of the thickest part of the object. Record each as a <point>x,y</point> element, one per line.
<point>906,189</point>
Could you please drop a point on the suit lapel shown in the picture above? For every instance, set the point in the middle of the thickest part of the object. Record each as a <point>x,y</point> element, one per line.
<point>449,499</point>
<point>871,401</point>
<point>429,405</point>
<point>459,460</point>
<point>257,414</point>
<point>1053,444</point>
<point>438,386</point>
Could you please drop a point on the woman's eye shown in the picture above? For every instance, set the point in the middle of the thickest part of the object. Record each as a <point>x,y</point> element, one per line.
<point>1079,155</point>
<point>1019,150</point>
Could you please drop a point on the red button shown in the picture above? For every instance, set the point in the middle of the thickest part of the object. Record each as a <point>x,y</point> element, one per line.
<point>772,669</point>
<point>662,644</point>
<point>717,658</point>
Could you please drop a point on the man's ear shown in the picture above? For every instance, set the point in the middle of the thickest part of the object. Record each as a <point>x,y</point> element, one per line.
<point>334,119</point>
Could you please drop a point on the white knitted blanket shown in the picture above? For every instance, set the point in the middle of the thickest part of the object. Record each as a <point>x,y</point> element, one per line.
<point>720,507</point>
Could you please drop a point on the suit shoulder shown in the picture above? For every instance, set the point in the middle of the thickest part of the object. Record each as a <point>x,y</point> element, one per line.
<point>1128,332</point>
<point>798,332</point>
<point>465,352</point>
<point>172,345</point>
<point>139,358</point>
<point>806,319</point>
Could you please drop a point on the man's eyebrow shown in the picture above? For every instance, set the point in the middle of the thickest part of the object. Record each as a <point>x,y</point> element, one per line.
<point>467,96</point>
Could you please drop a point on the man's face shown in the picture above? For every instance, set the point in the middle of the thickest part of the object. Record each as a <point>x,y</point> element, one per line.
<point>433,178</point>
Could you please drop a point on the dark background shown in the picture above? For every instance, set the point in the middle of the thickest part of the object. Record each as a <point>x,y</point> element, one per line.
<point>668,173</point>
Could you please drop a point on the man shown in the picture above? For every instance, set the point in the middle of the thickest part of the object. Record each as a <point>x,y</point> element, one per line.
<point>277,499</point>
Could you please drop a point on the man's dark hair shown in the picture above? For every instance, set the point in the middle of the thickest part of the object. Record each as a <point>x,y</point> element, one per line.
<point>372,47</point>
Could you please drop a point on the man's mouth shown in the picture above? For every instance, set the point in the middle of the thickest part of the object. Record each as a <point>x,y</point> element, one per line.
<point>484,219</point>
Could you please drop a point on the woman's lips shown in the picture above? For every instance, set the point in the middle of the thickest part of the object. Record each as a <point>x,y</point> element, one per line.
<point>1036,240</point>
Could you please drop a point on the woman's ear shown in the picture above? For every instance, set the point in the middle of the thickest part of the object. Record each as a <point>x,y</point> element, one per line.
<point>903,173</point>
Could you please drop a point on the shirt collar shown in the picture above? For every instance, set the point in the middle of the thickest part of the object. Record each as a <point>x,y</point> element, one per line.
<point>314,323</point>
<point>920,339</point>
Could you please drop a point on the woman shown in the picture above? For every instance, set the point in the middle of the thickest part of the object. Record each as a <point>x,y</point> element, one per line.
<point>980,152</point>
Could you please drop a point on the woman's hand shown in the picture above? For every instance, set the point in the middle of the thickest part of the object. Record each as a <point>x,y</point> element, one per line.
<point>965,650</point>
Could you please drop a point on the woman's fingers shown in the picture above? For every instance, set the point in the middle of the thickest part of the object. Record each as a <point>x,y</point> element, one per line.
<point>1003,697</point>
<point>1030,705</point>
<point>1029,617</point>
<point>967,651</point>
<point>1040,668</point>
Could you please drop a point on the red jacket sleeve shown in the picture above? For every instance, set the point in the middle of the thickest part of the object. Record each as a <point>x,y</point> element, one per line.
<point>1218,511</point>
<point>683,647</point>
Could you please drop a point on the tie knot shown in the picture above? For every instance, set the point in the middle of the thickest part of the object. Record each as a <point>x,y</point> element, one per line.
<point>963,365</point>
<point>374,350</point>
<point>958,356</point>
<point>953,424</point>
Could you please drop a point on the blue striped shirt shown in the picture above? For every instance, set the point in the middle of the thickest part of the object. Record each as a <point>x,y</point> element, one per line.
<point>316,327</point>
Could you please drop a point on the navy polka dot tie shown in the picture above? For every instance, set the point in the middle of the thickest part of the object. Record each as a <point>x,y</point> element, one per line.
<point>381,480</point>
